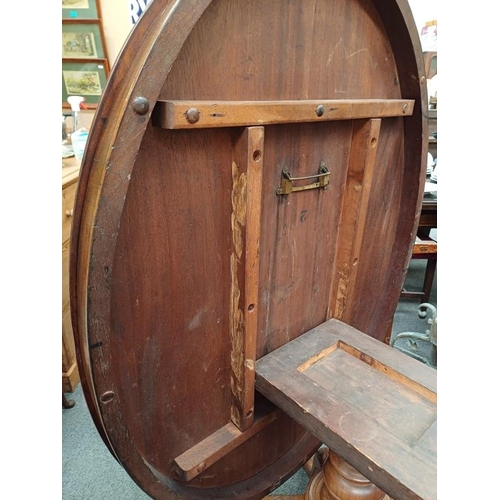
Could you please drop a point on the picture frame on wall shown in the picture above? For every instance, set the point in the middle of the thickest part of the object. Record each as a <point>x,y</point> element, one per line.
<point>84,78</point>
<point>80,9</point>
<point>82,41</point>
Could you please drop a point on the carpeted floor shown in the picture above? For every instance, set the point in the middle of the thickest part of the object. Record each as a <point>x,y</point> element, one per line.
<point>89,472</point>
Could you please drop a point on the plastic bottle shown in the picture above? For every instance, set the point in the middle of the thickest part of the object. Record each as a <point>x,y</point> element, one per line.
<point>67,147</point>
<point>79,133</point>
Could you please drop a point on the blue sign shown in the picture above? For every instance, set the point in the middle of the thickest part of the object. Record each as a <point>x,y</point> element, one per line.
<point>137,7</point>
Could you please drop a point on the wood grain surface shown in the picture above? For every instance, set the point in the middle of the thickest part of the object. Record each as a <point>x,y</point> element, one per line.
<point>371,404</point>
<point>154,279</point>
<point>209,114</point>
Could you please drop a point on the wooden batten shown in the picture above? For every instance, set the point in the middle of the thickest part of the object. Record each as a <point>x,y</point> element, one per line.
<point>245,231</point>
<point>209,114</point>
<point>205,453</point>
<point>354,212</point>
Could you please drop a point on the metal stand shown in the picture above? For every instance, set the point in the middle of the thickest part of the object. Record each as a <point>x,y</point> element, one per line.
<point>430,335</point>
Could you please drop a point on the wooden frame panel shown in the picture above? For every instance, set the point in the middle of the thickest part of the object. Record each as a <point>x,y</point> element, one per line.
<point>331,379</point>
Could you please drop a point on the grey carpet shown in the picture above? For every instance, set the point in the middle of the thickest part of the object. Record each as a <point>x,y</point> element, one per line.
<point>89,472</point>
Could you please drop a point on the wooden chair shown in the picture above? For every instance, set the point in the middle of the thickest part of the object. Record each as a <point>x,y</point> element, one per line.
<point>423,248</point>
<point>430,63</point>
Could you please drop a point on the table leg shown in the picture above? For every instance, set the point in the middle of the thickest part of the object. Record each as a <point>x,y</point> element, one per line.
<point>340,481</point>
<point>67,403</point>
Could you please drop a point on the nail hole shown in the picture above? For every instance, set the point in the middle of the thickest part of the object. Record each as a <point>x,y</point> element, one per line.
<point>249,413</point>
<point>107,396</point>
<point>256,155</point>
<point>251,307</point>
<point>374,142</point>
<point>355,261</point>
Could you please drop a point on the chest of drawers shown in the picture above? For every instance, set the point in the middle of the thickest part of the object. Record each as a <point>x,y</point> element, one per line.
<point>70,377</point>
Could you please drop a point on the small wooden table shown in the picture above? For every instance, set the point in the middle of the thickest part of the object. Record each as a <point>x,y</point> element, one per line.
<point>70,376</point>
<point>425,247</point>
<point>428,214</point>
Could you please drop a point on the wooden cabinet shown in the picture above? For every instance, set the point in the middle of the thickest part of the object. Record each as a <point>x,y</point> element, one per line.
<point>432,129</point>
<point>70,377</point>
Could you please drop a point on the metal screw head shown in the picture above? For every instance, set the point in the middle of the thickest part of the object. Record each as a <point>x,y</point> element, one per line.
<point>140,105</point>
<point>192,115</point>
<point>320,110</point>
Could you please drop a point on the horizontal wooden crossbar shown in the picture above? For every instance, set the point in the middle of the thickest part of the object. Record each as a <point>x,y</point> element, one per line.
<point>423,247</point>
<point>209,114</point>
<point>204,454</point>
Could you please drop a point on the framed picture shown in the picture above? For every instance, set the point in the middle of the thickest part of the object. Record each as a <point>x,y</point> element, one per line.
<point>85,78</point>
<point>80,9</point>
<point>82,41</point>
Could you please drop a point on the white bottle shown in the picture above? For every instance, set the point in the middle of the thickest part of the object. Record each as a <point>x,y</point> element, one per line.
<point>79,133</point>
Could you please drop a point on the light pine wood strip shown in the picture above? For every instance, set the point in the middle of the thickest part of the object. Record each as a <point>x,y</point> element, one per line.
<point>205,453</point>
<point>354,212</point>
<point>245,225</point>
<point>208,114</point>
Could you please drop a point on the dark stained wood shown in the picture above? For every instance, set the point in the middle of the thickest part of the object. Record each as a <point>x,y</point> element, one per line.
<point>428,216</point>
<point>203,114</point>
<point>371,404</point>
<point>299,234</point>
<point>115,117</point>
<point>152,238</point>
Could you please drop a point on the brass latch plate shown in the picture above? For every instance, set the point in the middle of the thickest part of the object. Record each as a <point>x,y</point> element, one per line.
<point>287,187</point>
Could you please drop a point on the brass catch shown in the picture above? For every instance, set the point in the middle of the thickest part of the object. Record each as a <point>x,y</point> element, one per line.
<point>287,187</point>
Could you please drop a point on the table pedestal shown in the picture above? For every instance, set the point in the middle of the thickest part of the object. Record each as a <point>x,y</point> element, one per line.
<point>340,481</point>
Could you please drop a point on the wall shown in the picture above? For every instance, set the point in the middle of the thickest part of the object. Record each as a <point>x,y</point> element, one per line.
<point>423,11</point>
<point>116,25</point>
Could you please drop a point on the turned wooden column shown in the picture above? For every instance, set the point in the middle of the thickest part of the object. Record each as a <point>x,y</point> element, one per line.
<point>340,481</point>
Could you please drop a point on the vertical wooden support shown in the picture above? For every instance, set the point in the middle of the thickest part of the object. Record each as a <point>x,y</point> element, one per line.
<point>354,213</point>
<point>248,154</point>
